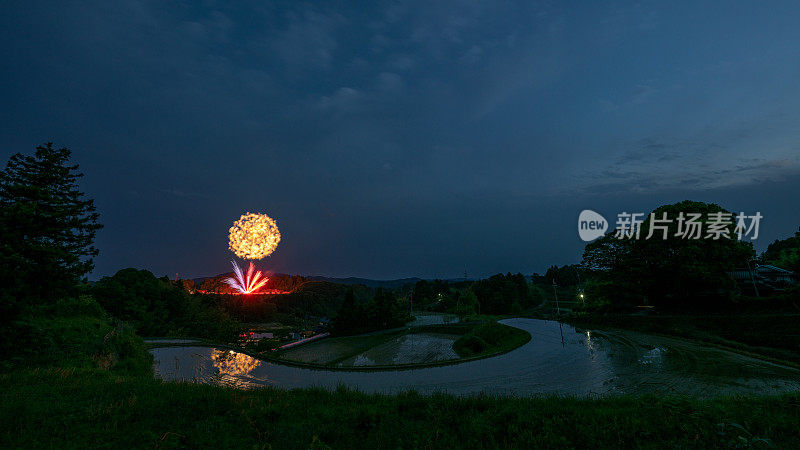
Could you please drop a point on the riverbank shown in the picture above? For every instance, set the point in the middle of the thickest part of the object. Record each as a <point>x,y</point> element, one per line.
<point>773,337</point>
<point>90,408</point>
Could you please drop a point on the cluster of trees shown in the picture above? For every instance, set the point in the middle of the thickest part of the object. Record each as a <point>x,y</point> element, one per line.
<point>158,307</point>
<point>672,272</point>
<point>499,294</point>
<point>383,311</point>
<point>569,275</point>
<point>505,294</point>
<point>438,295</point>
<point>784,253</point>
<point>313,299</point>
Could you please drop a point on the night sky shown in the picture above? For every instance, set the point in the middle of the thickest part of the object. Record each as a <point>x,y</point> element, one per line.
<point>395,139</point>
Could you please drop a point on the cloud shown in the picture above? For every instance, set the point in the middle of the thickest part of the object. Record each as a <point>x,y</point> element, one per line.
<point>307,40</point>
<point>656,166</point>
<point>390,82</point>
<point>344,99</point>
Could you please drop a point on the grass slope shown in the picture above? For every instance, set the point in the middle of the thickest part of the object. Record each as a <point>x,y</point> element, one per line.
<point>68,408</point>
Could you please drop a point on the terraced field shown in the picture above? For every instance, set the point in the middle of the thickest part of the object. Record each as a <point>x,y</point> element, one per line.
<point>334,350</point>
<point>407,349</point>
<point>559,359</point>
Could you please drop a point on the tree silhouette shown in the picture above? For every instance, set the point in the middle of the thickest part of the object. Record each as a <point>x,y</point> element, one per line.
<point>47,228</point>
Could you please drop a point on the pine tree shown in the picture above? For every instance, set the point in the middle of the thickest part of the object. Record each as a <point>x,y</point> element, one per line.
<point>47,228</point>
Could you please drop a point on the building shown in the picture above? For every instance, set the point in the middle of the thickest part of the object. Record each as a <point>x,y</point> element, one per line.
<point>766,277</point>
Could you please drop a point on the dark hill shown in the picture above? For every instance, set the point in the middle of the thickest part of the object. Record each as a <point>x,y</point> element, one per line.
<point>386,284</point>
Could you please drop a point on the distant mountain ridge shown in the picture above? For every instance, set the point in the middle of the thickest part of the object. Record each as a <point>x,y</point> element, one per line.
<point>391,284</point>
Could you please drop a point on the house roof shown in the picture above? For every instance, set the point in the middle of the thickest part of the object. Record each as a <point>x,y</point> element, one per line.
<point>769,267</point>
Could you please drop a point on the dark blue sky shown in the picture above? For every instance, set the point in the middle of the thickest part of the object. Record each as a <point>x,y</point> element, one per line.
<point>394,139</point>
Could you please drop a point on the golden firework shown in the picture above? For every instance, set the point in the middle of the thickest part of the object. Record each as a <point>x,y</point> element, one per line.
<point>254,236</point>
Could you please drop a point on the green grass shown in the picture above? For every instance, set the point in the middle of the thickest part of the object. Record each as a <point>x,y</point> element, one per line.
<point>78,334</point>
<point>490,338</point>
<point>72,408</point>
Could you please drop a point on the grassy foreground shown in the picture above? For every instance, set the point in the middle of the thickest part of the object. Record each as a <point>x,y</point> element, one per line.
<point>68,408</point>
<point>85,383</point>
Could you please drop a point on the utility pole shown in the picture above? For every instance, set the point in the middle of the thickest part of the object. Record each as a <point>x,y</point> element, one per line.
<point>752,278</point>
<point>555,294</point>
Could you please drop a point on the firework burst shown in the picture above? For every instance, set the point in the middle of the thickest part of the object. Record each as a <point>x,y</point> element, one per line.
<point>254,236</point>
<point>246,283</point>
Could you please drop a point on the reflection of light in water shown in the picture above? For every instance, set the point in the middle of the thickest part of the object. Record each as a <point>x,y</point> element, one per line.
<point>589,342</point>
<point>652,356</point>
<point>362,360</point>
<point>233,363</point>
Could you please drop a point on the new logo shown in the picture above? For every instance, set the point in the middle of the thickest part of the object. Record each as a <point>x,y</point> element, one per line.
<point>591,225</point>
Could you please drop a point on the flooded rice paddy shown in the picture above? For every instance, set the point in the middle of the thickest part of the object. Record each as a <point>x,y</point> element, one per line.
<point>559,359</point>
<point>376,349</point>
<point>407,349</point>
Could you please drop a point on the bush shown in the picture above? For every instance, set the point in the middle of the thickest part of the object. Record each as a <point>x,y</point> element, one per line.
<point>78,333</point>
<point>470,345</point>
<point>490,337</point>
<point>128,351</point>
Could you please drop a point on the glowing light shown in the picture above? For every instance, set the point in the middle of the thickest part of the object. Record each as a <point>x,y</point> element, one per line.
<point>253,236</point>
<point>233,363</point>
<point>246,284</point>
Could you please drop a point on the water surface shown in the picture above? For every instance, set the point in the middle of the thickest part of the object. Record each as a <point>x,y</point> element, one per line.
<point>559,359</point>
<point>412,348</point>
